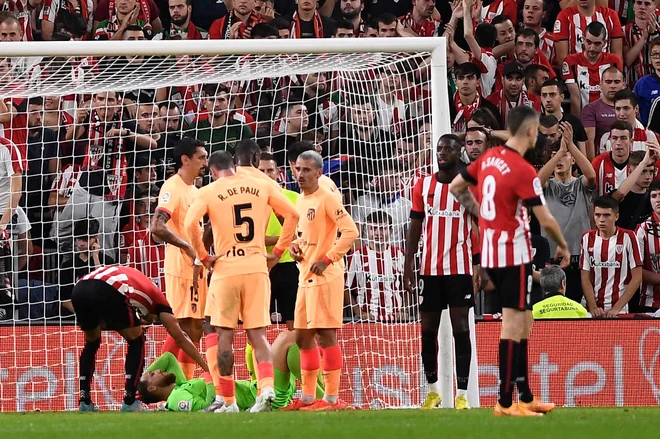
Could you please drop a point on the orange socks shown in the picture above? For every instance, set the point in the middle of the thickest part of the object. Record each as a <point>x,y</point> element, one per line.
<point>170,346</point>
<point>310,363</point>
<point>266,375</point>
<point>332,362</point>
<point>227,390</point>
<point>211,343</point>
<point>188,365</point>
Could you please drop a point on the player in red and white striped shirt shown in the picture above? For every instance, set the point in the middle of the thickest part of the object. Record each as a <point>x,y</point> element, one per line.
<point>375,274</point>
<point>571,25</point>
<point>612,166</point>
<point>507,185</point>
<point>121,299</point>
<point>648,237</point>
<point>19,9</point>
<point>445,267</point>
<point>500,7</point>
<point>582,71</point>
<point>611,262</point>
<point>533,13</point>
<point>626,109</point>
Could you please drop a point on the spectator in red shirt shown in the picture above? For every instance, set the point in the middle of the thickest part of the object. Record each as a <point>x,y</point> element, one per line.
<point>19,9</point>
<point>53,11</point>
<point>420,19</point>
<point>467,98</point>
<point>533,14</point>
<point>512,94</point>
<point>637,35</point>
<point>237,24</point>
<point>568,34</point>
<point>388,26</point>
<point>582,70</point>
<point>493,8</point>
<point>181,27</point>
<point>351,10</point>
<point>148,12</point>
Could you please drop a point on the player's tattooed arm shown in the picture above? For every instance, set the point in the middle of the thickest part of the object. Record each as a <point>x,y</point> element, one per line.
<point>160,230</point>
<point>467,200</point>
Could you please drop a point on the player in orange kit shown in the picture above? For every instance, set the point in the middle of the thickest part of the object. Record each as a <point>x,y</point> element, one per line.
<point>238,207</point>
<point>167,225</point>
<point>319,304</point>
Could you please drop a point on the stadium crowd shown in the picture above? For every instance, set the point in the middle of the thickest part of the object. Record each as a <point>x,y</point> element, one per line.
<point>80,175</point>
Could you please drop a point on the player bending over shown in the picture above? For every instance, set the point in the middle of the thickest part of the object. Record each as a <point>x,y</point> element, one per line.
<point>118,298</point>
<point>239,208</point>
<point>186,296</point>
<point>508,185</point>
<point>319,304</point>
<point>446,268</point>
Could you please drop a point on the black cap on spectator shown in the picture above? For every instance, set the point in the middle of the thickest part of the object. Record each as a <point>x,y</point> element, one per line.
<point>85,228</point>
<point>512,68</point>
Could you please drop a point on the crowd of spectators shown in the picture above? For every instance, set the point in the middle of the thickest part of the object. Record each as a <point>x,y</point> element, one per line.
<point>80,174</point>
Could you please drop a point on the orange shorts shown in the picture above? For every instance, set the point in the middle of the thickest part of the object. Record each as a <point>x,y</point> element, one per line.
<point>184,302</point>
<point>245,295</point>
<point>320,306</point>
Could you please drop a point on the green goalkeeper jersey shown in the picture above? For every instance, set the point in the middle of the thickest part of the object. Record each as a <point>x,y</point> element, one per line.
<point>188,395</point>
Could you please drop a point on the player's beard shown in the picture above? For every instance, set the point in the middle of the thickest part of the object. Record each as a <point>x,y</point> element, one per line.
<point>168,379</point>
<point>351,15</point>
<point>181,21</point>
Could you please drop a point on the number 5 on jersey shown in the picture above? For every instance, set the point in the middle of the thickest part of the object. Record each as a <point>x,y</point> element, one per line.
<point>240,219</point>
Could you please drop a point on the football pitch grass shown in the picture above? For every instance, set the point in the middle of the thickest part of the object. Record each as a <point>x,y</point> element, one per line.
<point>602,423</point>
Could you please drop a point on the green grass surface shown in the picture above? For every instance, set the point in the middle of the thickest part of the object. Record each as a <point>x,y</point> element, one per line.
<point>407,424</point>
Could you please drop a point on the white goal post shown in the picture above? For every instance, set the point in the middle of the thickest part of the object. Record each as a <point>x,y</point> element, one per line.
<point>374,351</point>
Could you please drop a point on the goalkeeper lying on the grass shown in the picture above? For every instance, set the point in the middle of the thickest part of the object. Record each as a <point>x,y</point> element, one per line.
<point>164,380</point>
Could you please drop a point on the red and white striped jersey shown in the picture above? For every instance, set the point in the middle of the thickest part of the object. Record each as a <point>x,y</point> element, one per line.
<point>648,238</point>
<point>11,163</point>
<point>499,7</point>
<point>22,14</point>
<point>409,180</point>
<point>85,8</point>
<point>148,257</point>
<point>578,70</point>
<point>506,185</point>
<point>571,25</point>
<point>547,44</point>
<point>488,66</point>
<point>140,292</point>
<point>609,175</point>
<point>375,280</point>
<point>66,180</point>
<point>429,27</point>
<point>500,100</point>
<point>620,7</point>
<point>446,229</point>
<point>640,136</point>
<point>610,263</point>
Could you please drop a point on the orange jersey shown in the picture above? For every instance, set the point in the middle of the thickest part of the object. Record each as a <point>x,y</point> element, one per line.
<point>239,209</point>
<point>326,183</point>
<point>175,199</point>
<point>251,171</point>
<point>321,216</point>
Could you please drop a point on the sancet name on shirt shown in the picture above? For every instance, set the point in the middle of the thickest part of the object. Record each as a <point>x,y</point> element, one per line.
<point>496,162</point>
<point>237,191</point>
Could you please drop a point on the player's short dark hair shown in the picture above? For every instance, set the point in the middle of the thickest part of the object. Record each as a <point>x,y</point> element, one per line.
<point>142,162</point>
<point>553,83</point>
<point>221,161</point>
<point>483,116</point>
<point>654,186</point>
<point>297,148</point>
<point>343,23</point>
<point>60,36</point>
<point>134,28</point>
<point>597,29</point>
<point>453,139</point>
<point>467,68</point>
<point>246,149</point>
<point>75,24</point>
<point>622,125</point>
<point>145,395</point>
<point>372,22</point>
<point>486,35</point>
<point>636,157</point>
<point>186,146</point>
<point>532,70</point>
<point>548,120</point>
<point>625,94</point>
<point>314,157</point>
<point>519,117</point>
<point>527,32</point>
<point>607,202</point>
<point>478,130</point>
<point>211,90</point>
<point>9,16</point>
<point>263,31</point>
<point>499,19</point>
<point>280,23</point>
<point>35,100</point>
<point>268,157</point>
<point>385,18</point>
<point>379,217</point>
<point>85,228</point>
<point>654,42</point>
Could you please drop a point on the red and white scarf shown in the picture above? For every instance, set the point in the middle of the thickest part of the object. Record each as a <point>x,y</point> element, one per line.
<point>295,26</point>
<point>191,33</point>
<point>640,66</point>
<point>463,112</point>
<point>113,18</point>
<point>505,106</point>
<point>231,18</point>
<point>107,154</point>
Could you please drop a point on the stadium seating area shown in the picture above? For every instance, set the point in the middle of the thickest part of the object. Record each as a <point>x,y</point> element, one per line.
<point>92,164</point>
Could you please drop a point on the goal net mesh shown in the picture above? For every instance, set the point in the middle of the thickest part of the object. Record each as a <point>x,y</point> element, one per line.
<point>95,139</point>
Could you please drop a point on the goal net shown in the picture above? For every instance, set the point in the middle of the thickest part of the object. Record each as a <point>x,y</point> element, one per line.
<point>95,124</point>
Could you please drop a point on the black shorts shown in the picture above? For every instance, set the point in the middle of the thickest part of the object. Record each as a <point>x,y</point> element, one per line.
<point>513,286</point>
<point>438,292</point>
<point>98,304</point>
<point>284,289</point>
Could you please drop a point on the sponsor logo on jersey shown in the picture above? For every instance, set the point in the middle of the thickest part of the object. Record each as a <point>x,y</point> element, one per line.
<point>165,198</point>
<point>184,406</point>
<point>311,214</point>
